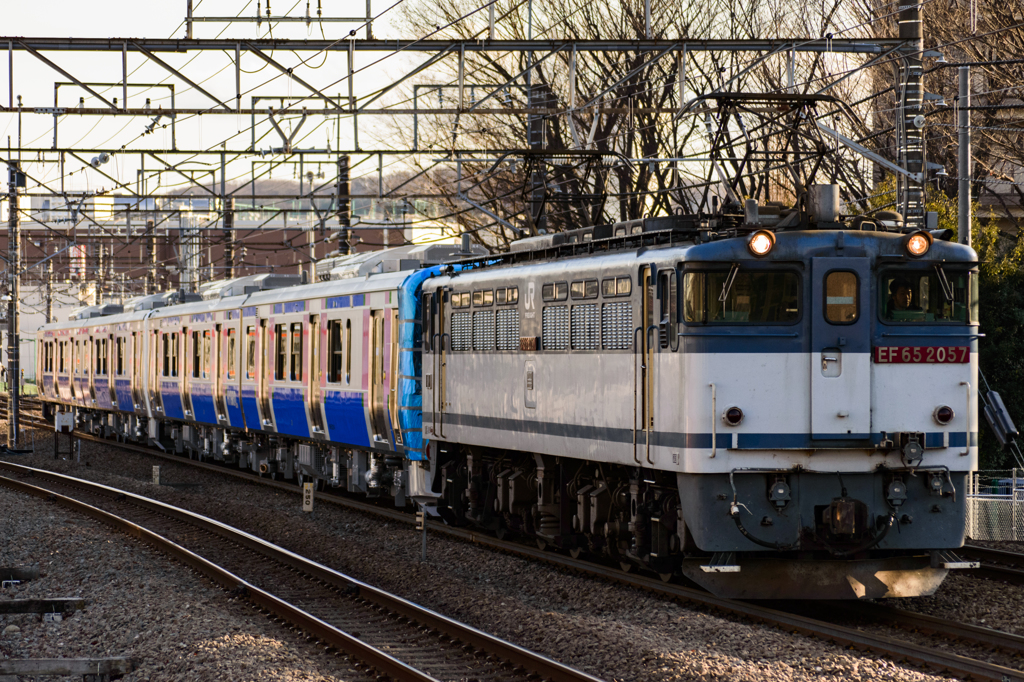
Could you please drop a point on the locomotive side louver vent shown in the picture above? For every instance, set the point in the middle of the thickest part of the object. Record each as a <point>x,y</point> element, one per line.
<point>461,331</point>
<point>555,327</point>
<point>585,325</point>
<point>617,325</point>
<point>483,330</point>
<point>508,329</point>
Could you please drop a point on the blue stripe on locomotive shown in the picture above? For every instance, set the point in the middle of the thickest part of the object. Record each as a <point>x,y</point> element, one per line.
<point>346,418</point>
<point>170,396</point>
<point>203,409</point>
<point>123,390</point>
<point>290,411</point>
<point>233,405</point>
<point>250,408</point>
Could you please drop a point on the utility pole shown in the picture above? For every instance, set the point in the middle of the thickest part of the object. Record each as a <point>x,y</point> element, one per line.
<point>229,237</point>
<point>964,157</point>
<point>911,118</point>
<point>344,206</point>
<point>15,179</point>
<point>151,257</point>
<point>49,291</point>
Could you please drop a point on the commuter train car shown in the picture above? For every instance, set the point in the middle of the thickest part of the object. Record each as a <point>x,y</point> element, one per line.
<point>769,403</point>
<point>311,381</point>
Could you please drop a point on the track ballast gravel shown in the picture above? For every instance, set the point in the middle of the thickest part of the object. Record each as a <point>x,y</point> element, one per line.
<point>611,631</point>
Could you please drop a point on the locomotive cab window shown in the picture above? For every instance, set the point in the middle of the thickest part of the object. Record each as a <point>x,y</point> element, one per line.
<point>936,296</point>
<point>741,297</point>
<point>841,300</point>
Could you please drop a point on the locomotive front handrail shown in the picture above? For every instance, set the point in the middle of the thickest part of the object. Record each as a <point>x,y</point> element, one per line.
<point>967,418</point>
<point>965,336</point>
<point>792,335</point>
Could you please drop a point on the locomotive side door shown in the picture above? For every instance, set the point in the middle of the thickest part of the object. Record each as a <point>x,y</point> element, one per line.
<point>840,355</point>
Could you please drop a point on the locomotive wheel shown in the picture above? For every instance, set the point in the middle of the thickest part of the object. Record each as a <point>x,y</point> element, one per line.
<point>299,479</point>
<point>542,544</point>
<point>627,566</point>
<point>666,577</point>
<point>501,532</point>
<point>576,552</point>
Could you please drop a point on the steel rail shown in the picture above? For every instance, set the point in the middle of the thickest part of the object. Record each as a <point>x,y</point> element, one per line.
<point>899,650</point>
<point>999,564</point>
<point>541,665</point>
<point>227,580</point>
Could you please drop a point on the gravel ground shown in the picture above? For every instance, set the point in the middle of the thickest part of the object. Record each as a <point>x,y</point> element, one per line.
<point>611,631</point>
<point>141,605</point>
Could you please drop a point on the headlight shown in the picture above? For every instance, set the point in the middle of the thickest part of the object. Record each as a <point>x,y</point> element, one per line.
<point>918,243</point>
<point>943,414</point>
<point>732,416</point>
<point>761,242</point>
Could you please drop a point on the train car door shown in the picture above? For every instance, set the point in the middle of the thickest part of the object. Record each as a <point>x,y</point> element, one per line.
<point>220,370</point>
<point>840,348</point>
<point>155,363</point>
<point>644,349</point>
<point>265,368</point>
<point>391,378</point>
<point>378,379</point>
<point>438,343</point>
<point>315,377</point>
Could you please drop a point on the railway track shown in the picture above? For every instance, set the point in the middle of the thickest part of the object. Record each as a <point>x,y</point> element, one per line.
<point>997,564</point>
<point>817,620</point>
<point>391,635</point>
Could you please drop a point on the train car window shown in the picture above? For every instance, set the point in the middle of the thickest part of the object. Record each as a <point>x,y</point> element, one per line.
<point>936,296</point>
<point>348,351</point>
<point>669,323</point>
<point>513,295</point>
<point>335,357</point>
<point>196,349</point>
<point>296,367</point>
<point>60,357</point>
<point>617,286</point>
<point>755,297</point>
<point>556,291</point>
<point>973,283</point>
<point>500,296</point>
<point>174,354</point>
<point>281,351</point>
<point>584,289</point>
<point>250,352</point>
<point>483,298</point>
<point>165,347</point>
<point>119,355</point>
<point>207,354</point>
<point>232,353</point>
<point>841,301</point>
<point>461,300</point>
<point>488,297</point>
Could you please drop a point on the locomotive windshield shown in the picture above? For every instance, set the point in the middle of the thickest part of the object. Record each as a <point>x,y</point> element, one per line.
<point>933,296</point>
<point>751,297</point>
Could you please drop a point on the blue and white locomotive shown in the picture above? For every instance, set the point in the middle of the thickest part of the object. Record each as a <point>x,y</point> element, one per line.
<point>769,403</point>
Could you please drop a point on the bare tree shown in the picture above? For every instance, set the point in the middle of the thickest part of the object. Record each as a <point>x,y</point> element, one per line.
<point>573,166</point>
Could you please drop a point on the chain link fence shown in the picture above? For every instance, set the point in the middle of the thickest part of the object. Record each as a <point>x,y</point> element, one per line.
<point>995,505</point>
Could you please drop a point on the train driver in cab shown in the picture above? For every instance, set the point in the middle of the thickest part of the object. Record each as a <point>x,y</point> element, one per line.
<point>901,304</point>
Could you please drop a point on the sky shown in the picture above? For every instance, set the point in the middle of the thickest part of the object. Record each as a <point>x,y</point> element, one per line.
<point>34,81</point>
